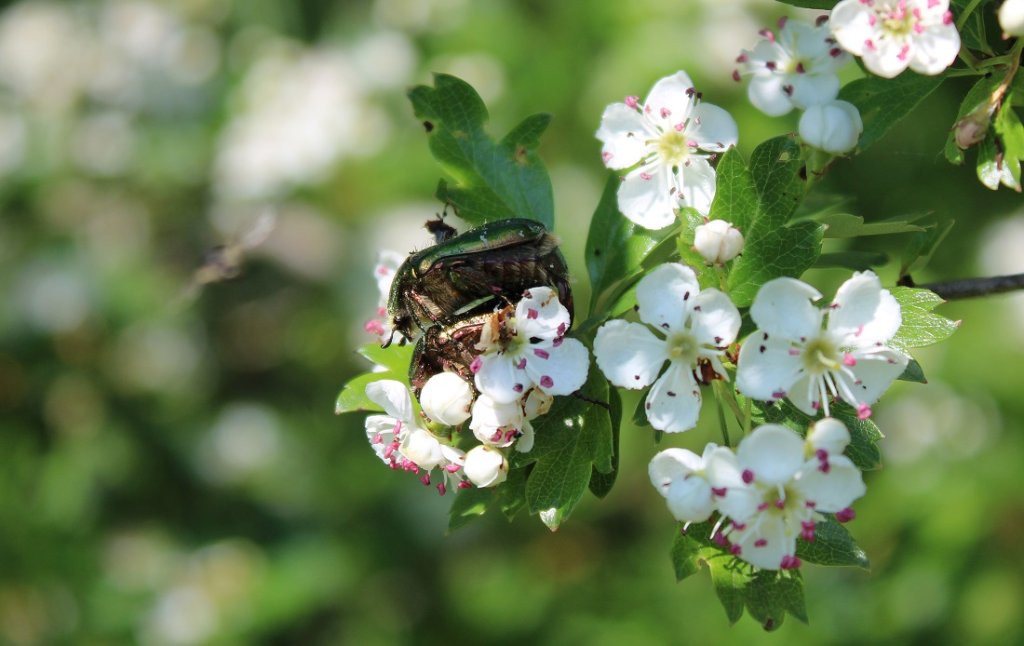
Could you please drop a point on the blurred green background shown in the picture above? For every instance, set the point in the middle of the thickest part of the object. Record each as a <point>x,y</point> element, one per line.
<point>172,472</point>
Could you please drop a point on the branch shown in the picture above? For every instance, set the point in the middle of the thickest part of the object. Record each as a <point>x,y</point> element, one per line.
<point>970,287</point>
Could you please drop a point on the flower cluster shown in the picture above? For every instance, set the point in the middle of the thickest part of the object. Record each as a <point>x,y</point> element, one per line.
<point>797,67</point>
<point>384,271</point>
<point>773,490</point>
<point>665,144</point>
<point>524,359</point>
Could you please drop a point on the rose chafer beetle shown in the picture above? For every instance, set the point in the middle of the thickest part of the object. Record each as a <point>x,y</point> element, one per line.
<point>475,272</point>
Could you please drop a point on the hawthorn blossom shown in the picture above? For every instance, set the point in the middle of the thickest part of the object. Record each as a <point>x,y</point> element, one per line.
<point>501,425</point>
<point>793,355</point>
<point>717,241</point>
<point>679,475</point>
<point>446,398</point>
<point>776,486</point>
<point>1011,18</point>
<point>384,271</point>
<point>693,329</point>
<point>890,35</point>
<point>834,127</point>
<point>794,69</point>
<point>529,350</point>
<point>486,466</point>
<point>400,442</point>
<point>666,144</point>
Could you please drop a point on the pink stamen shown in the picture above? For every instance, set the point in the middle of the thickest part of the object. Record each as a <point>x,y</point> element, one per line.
<point>606,157</point>
<point>632,101</point>
<point>521,364</point>
<point>736,75</point>
<point>425,479</point>
<point>748,476</point>
<point>742,58</point>
<point>561,329</point>
<point>846,515</point>
<point>464,484</point>
<point>790,562</point>
<point>645,176</point>
<point>947,18</point>
<point>373,326</point>
<point>767,35</point>
<point>546,382</point>
<point>665,112</point>
<point>793,352</point>
<point>782,22</point>
<point>849,360</point>
<point>761,542</point>
<point>543,354</point>
<point>441,489</point>
<point>719,491</point>
<point>532,313</point>
<point>863,411</point>
<point>474,367</point>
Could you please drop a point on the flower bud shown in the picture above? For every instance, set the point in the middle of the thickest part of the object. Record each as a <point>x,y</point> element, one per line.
<point>537,403</point>
<point>833,127</point>
<point>971,129</point>
<point>690,499</point>
<point>830,435</point>
<point>485,466</point>
<point>1011,18</point>
<point>718,241</point>
<point>496,424</point>
<point>446,398</point>
<point>423,448</point>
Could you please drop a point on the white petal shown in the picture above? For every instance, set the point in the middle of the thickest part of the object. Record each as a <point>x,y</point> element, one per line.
<point>766,370</point>
<point>829,435</point>
<point>380,431</point>
<point>673,403</point>
<point>491,419</point>
<point>423,448</point>
<point>672,464</point>
<point>834,490</point>
<point>811,89</point>
<point>499,378</point>
<point>885,58</point>
<point>541,315</point>
<point>805,40</point>
<point>805,394</point>
<point>697,184</point>
<point>486,466</point>
<point>712,128</point>
<point>690,499</point>
<point>765,544</point>
<point>446,398</point>
<point>664,296</point>
<point>863,313</point>
<point>783,308</point>
<point>624,132</point>
<point>669,102</point>
<point>525,442</point>
<point>645,199</point>
<point>392,396</point>
<point>935,49</point>
<point>558,369</point>
<point>851,26</point>
<point>766,94</point>
<point>715,320</point>
<point>873,374</point>
<point>537,403</point>
<point>773,453</point>
<point>628,354</point>
<point>734,498</point>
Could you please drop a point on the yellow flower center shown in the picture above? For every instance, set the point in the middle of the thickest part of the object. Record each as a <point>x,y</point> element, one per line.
<point>672,148</point>
<point>821,355</point>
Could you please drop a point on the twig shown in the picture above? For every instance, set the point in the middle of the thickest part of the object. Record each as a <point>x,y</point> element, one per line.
<point>971,287</point>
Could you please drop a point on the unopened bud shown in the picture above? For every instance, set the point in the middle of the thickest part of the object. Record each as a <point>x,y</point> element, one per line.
<point>971,129</point>
<point>423,448</point>
<point>446,398</point>
<point>830,435</point>
<point>833,127</point>
<point>1011,18</point>
<point>718,241</point>
<point>485,466</point>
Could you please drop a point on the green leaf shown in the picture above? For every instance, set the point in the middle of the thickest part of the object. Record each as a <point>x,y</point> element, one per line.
<point>572,438</point>
<point>640,413</point>
<point>775,167</point>
<point>832,545</point>
<point>511,495</point>
<point>863,449</point>
<point>489,180</point>
<point>922,245</point>
<point>616,249</point>
<point>394,358</point>
<point>771,594</point>
<point>601,482</point>
<point>883,102</point>
<point>914,373</point>
<point>1010,142</point>
<point>686,556</point>
<point>811,4</point>
<point>772,251</point>
<point>920,327</point>
<point>972,33</point>
<point>852,259</point>
<point>736,197</point>
<point>469,504</point>
<point>731,579</point>
<point>977,98</point>
<point>845,225</point>
<point>395,361</point>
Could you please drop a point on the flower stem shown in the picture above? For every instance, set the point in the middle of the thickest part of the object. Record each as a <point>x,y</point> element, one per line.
<point>721,415</point>
<point>970,287</point>
<point>966,13</point>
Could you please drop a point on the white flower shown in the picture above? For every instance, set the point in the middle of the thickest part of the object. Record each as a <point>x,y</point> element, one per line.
<point>890,35</point>
<point>1011,18</point>
<point>384,271</point>
<point>530,350</point>
<point>667,143</point>
<point>795,69</point>
<point>400,442</point>
<point>776,486</point>
<point>718,241</point>
<point>693,326</point>
<point>502,425</point>
<point>446,398</point>
<point>486,466</point>
<point>679,476</point>
<point>792,355</point>
<point>834,127</point>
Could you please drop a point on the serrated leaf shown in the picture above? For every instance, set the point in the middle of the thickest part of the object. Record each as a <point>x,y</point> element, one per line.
<point>775,169</point>
<point>511,495</point>
<point>921,246</point>
<point>770,595</point>
<point>685,554</point>
<point>770,252</point>
<point>571,438</point>
<point>845,225</point>
<point>395,358</point>
<point>832,545</point>
<point>1010,141</point>
<point>913,373</point>
<point>731,578</point>
<point>976,98</point>
<point>616,249</point>
<point>920,327</point>
<point>601,482</point>
<point>852,259</point>
<point>863,449</point>
<point>972,32</point>
<point>736,197</point>
<point>489,180</point>
<point>469,504</point>
<point>884,102</point>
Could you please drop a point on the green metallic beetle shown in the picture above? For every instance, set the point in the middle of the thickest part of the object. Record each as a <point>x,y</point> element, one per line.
<point>475,272</point>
